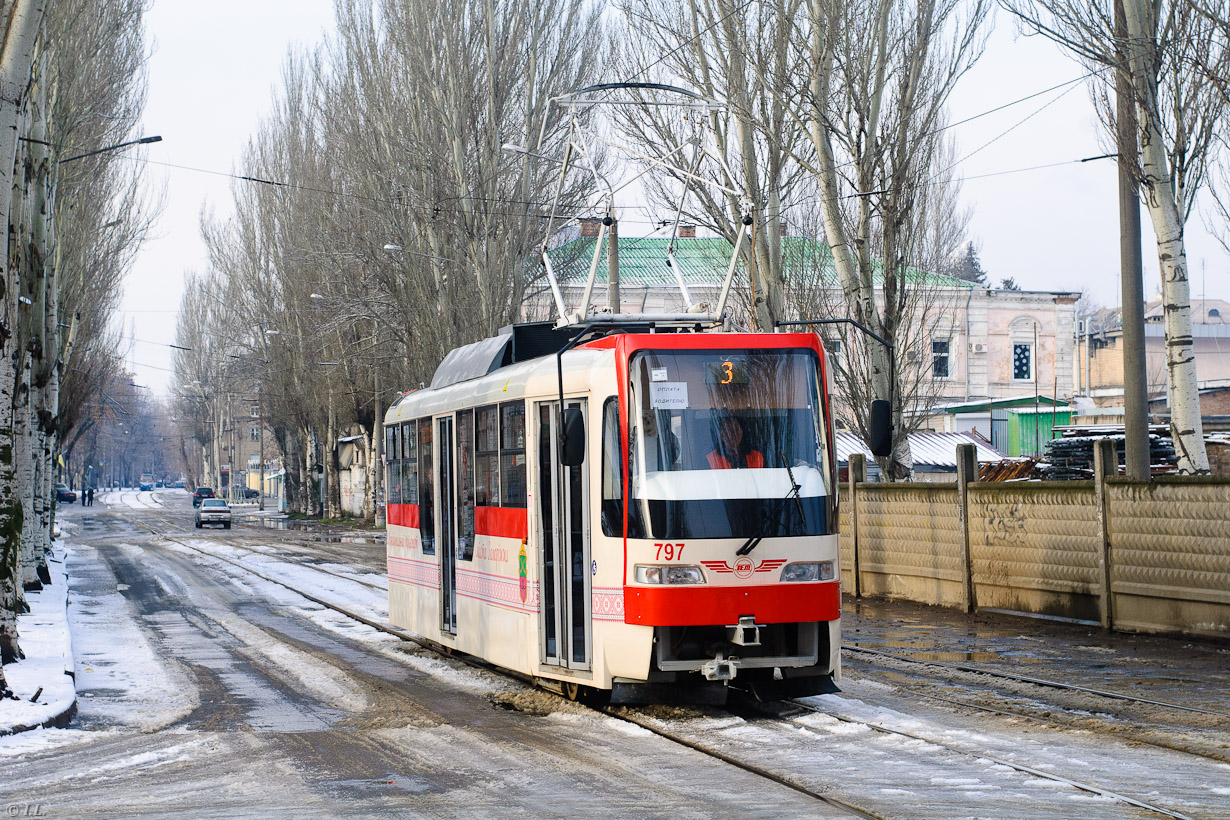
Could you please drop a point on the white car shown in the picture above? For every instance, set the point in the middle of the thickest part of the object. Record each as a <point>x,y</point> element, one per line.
<point>213,511</point>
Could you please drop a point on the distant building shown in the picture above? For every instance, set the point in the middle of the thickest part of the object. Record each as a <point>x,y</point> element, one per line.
<point>1098,376</point>
<point>978,343</point>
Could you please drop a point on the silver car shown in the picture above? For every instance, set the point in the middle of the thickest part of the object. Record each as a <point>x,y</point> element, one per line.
<point>213,511</point>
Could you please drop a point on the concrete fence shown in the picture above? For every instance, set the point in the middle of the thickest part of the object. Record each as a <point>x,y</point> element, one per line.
<point>1136,556</point>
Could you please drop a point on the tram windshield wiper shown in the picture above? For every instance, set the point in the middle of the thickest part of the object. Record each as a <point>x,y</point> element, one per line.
<point>753,542</point>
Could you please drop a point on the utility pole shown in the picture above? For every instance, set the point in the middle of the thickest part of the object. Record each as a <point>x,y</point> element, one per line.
<point>1131,272</point>
<point>378,435</point>
<point>612,265</point>
<point>260,422</point>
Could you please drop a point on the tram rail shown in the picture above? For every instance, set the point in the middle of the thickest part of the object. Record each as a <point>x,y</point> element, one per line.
<point>956,749</point>
<point>751,768</point>
<point>792,707</point>
<point>960,667</point>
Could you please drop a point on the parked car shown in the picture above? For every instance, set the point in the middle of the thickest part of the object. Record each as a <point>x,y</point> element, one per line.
<point>201,494</point>
<point>248,492</point>
<point>64,494</point>
<point>213,511</point>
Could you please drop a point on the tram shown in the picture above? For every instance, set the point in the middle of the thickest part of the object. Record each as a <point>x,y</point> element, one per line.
<point>642,510</point>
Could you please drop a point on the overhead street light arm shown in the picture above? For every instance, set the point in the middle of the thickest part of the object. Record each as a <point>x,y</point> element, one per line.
<point>141,141</point>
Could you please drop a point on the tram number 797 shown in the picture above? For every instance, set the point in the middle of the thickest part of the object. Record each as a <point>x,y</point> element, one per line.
<point>668,552</point>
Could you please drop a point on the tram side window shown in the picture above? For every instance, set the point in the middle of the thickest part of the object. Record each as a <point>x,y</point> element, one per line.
<point>408,453</point>
<point>487,457</point>
<point>612,471</point>
<point>393,485</point>
<point>465,484</point>
<point>512,454</point>
<point>427,521</point>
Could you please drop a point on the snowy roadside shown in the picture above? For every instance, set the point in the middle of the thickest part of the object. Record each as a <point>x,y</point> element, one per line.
<point>43,680</point>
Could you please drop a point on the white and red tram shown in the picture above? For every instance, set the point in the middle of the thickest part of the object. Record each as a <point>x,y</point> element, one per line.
<point>692,548</point>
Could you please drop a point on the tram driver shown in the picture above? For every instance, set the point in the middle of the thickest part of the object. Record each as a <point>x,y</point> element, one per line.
<point>731,450</point>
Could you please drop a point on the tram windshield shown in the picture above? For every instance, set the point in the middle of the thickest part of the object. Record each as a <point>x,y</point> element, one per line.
<point>727,444</point>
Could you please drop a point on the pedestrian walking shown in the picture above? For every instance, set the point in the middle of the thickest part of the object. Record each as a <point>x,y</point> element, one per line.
<point>83,496</point>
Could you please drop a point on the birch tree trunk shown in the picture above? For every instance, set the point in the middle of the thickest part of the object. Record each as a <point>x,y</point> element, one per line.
<point>1186,427</point>
<point>16,61</point>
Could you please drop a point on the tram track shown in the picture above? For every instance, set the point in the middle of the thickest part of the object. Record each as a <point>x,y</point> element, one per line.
<point>1041,682</point>
<point>978,755</point>
<point>751,768</point>
<point>655,727</point>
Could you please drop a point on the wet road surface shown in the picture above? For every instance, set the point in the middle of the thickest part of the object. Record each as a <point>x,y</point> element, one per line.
<point>207,694</point>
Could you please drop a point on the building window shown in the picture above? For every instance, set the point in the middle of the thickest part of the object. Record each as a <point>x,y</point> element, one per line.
<point>833,346</point>
<point>255,433</point>
<point>1022,362</point>
<point>256,411</point>
<point>939,359</point>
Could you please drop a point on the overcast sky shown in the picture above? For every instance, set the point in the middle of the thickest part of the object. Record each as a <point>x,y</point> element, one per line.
<point>216,66</point>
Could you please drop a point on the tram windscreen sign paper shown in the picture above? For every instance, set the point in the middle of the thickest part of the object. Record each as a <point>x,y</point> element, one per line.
<point>669,395</point>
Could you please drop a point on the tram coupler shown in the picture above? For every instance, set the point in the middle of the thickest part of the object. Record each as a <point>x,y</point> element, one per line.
<point>744,633</point>
<point>719,668</point>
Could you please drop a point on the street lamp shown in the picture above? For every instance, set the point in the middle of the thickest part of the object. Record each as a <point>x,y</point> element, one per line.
<point>141,141</point>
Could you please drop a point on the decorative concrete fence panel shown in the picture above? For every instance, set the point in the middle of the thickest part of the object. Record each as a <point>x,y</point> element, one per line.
<point>1170,554</point>
<point>1034,547</point>
<point>1138,556</point>
<point>910,542</point>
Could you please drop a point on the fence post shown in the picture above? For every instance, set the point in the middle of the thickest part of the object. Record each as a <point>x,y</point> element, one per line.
<point>967,472</point>
<point>1105,464</point>
<point>858,472</point>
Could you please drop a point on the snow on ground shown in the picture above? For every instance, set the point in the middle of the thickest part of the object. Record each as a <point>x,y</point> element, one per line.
<point>350,595</point>
<point>129,683</point>
<point>43,635</point>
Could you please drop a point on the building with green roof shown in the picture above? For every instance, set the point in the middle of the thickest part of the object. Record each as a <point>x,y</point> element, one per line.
<point>973,342</point>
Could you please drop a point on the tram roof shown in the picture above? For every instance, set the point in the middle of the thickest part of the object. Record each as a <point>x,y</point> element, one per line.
<point>515,343</point>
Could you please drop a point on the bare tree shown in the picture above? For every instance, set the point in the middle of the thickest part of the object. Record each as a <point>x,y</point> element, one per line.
<point>741,56</point>
<point>1175,56</point>
<point>392,135</point>
<point>880,74</point>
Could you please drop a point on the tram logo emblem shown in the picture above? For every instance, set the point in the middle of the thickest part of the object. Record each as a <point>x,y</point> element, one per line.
<point>744,568</point>
<point>521,573</point>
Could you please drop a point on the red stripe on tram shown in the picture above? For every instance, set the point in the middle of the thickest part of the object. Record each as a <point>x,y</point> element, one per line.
<point>403,515</point>
<point>501,522</point>
<point>702,604</point>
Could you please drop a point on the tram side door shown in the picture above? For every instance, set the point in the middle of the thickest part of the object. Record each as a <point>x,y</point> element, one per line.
<point>446,542</point>
<point>564,564</point>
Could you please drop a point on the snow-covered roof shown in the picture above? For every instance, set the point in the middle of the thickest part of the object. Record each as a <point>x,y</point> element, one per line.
<point>927,449</point>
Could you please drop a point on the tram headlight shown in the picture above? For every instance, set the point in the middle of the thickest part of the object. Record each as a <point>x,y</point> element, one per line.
<point>650,574</point>
<point>813,571</point>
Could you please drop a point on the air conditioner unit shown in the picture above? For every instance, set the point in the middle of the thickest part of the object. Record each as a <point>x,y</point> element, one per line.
<point>978,347</point>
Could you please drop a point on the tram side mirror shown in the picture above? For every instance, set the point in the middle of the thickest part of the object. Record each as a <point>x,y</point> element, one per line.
<point>881,428</point>
<point>572,448</point>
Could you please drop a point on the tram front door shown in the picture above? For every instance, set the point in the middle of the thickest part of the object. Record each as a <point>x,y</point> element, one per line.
<point>564,564</point>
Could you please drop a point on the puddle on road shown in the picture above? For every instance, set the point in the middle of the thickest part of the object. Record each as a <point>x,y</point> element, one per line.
<point>393,782</point>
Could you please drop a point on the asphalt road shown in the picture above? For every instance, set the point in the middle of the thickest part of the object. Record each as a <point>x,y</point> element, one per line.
<point>261,712</point>
<point>205,692</point>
